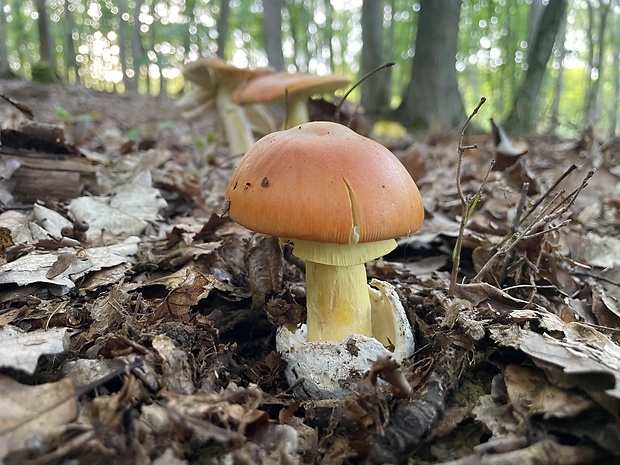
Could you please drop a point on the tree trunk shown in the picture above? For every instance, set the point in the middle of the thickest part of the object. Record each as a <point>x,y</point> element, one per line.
<point>19,25</point>
<point>555,113</point>
<point>5,68</point>
<point>595,66</point>
<point>222,28</point>
<point>432,98</point>
<point>299,32</point>
<point>122,41</point>
<point>329,33</point>
<point>44,70</point>
<point>523,115</point>
<point>613,114</point>
<point>44,32</point>
<point>137,49</point>
<point>376,89</point>
<point>272,32</point>
<point>533,22</point>
<point>69,55</point>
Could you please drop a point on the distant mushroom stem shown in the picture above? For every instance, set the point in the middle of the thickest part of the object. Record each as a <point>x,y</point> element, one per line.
<point>297,113</point>
<point>235,122</point>
<point>338,301</point>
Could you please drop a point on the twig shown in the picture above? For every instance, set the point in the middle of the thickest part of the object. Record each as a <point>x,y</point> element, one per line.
<point>543,218</point>
<point>570,169</point>
<point>384,65</point>
<point>553,228</point>
<point>521,206</point>
<point>467,203</point>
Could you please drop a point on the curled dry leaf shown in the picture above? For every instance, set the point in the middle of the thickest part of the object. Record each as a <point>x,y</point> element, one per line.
<point>178,303</point>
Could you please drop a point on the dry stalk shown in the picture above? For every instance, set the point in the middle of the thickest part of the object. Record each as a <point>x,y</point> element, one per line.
<point>379,68</point>
<point>553,210</point>
<point>468,204</point>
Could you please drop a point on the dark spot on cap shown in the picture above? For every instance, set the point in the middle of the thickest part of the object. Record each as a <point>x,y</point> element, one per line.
<point>265,182</point>
<point>235,186</point>
<point>247,184</point>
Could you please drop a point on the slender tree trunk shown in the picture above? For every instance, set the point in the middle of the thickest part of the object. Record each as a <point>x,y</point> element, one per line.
<point>299,32</point>
<point>5,68</point>
<point>555,112</point>
<point>591,107</point>
<point>122,41</point>
<point>376,89</point>
<point>589,62</point>
<point>304,42</point>
<point>613,114</point>
<point>137,49</point>
<point>45,38</point>
<point>523,116</point>
<point>533,23</point>
<point>432,98</point>
<point>329,33</point>
<point>222,28</point>
<point>19,25</point>
<point>69,55</point>
<point>272,32</point>
<point>45,69</point>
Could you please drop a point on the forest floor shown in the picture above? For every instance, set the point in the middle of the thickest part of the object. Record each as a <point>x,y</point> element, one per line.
<point>132,332</point>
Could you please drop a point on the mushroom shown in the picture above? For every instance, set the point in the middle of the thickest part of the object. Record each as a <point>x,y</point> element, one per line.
<point>291,88</point>
<point>341,199</point>
<point>216,81</point>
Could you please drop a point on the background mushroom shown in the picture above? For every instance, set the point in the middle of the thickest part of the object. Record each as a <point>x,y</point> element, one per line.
<point>216,81</point>
<point>342,199</point>
<point>291,88</point>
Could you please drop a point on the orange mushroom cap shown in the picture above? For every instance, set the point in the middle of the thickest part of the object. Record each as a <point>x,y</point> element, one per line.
<point>274,87</point>
<point>319,180</point>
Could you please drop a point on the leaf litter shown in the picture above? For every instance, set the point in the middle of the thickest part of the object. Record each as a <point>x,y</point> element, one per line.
<point>137,326</point>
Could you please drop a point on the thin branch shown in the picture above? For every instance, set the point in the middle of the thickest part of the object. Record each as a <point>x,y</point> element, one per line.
<point>384,65</point>
<point>544,217</point>
<point>467,203</point>
<point>570,169</point>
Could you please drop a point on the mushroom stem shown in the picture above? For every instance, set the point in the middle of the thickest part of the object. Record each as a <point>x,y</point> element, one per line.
<point>297,113</point>
<point>337,300</point>
<point>235,122</point>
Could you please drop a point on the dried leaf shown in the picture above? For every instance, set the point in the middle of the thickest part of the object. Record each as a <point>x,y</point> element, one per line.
<point>264,261</point>
<point>30,411</point>
<point>21,350</point>
<point>177,304</point>
<point>530,391</point>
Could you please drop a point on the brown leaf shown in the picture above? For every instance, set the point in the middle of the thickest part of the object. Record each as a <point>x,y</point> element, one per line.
<point>529,391</point>
<point>263,258</point>
<point>178,303</point>
<point>28,411</point>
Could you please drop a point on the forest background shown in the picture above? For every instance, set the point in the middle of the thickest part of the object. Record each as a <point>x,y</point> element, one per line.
<point>544,65</point>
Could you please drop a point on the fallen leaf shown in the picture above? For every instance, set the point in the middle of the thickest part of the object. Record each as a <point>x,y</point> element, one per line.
<point>31,411</point>
<point>179,301</point>
<point>530,391</point>
<point>21,350</point>
<point>47,266</point>
<point>126,213</point>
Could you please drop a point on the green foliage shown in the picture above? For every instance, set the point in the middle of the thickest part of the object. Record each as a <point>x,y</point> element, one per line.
<point>70,118</point>
<point>318,36</point>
